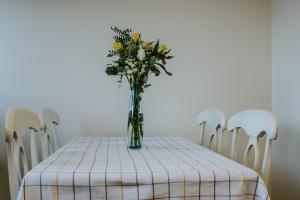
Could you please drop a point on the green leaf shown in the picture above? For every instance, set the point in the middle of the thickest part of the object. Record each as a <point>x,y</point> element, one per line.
<point>169,57</point>
<point>163,67</point>
<point>111,71</point>
<point>152,61</point>
<point>155,47</point>
<point>155,71</point>
<point>147,85</point>
<point>167,52</point>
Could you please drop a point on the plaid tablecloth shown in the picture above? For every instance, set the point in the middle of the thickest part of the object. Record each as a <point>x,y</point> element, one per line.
<point>165,168</point>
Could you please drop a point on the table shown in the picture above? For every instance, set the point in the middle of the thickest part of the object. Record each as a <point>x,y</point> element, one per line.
<point>165,168</point>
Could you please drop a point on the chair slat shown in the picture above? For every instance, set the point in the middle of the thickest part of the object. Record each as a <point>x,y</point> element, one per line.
<point>13,178</point>
<point>252,144</point>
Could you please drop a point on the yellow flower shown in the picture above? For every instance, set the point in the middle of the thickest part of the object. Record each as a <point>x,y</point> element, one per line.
<point>117,45</point>
<point>162,48</point>
<point>135,37</point>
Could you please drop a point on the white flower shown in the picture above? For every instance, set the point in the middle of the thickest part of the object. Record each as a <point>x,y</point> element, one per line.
<point>141,54</point>
<point>130,64</point>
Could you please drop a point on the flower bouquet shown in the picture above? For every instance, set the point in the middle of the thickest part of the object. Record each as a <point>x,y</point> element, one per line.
<point>135,59</point>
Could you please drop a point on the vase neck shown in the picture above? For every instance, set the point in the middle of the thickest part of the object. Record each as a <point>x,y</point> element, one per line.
<point>135,91</point>
<point>135,99</point>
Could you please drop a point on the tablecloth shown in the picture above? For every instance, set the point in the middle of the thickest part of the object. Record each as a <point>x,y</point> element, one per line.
<point>164,168</point>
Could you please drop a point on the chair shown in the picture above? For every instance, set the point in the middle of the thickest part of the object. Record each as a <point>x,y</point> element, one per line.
<point>215,119</point>
<point>50,120</point>
<point>255,123</point>
<point>17,123</point>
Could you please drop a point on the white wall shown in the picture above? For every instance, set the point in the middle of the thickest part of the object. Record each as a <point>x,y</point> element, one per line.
<point>52,53</point>
<point>286,98</point>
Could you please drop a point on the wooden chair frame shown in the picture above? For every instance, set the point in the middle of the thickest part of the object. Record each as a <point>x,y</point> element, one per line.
<point>216,120</point>
<point>255,123</point>
<point>17,123</point>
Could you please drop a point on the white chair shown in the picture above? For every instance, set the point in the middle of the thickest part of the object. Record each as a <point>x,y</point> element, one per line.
<point>215,119</point>
<point>17,123</point>
<point>50,120</point>
<point>255,123</point>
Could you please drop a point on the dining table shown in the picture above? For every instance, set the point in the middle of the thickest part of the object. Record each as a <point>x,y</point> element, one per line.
<point>165,168</point>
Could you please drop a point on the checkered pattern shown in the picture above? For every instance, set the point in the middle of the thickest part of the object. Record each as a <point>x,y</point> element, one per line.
<point>165,168</point>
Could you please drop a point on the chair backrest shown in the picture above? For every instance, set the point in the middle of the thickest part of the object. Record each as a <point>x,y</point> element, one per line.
<point>17,123</point>
<point>255,123</point>
<point>215,119</point>
<point>50,120</point>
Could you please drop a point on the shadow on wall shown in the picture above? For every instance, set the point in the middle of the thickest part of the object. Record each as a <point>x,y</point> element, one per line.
<point>285,168</point>
<point>4,189</point>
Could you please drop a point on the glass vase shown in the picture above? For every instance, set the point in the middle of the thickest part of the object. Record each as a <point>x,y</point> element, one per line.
<point>135,120</point>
